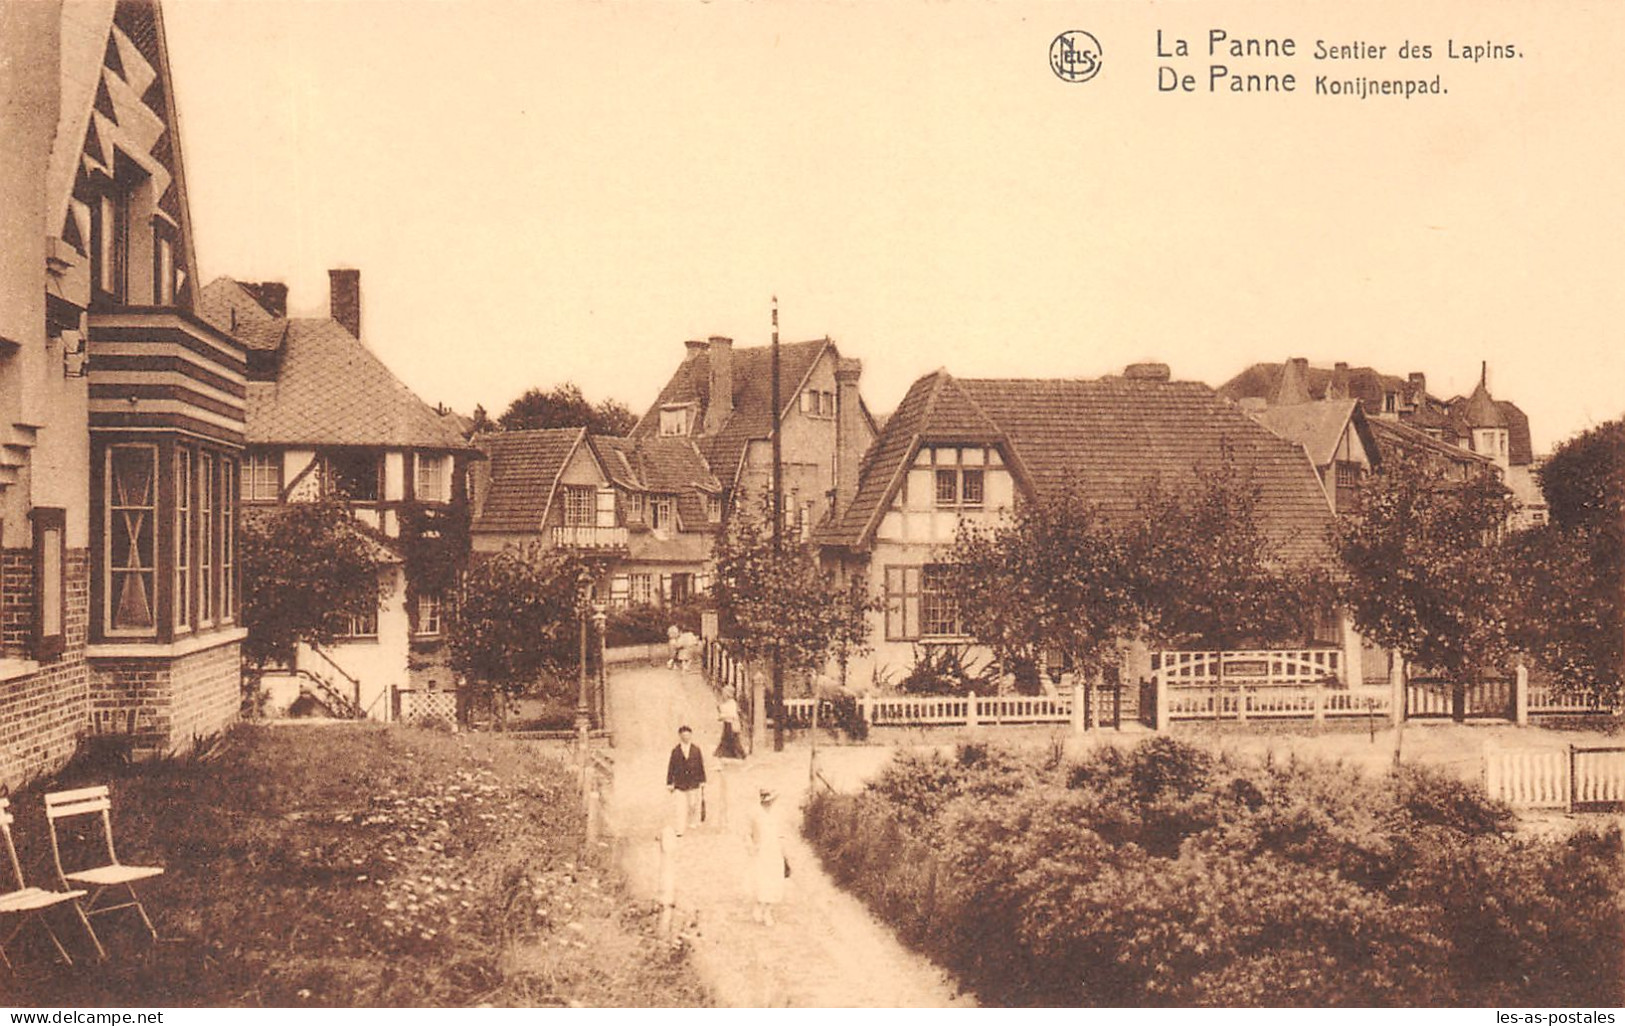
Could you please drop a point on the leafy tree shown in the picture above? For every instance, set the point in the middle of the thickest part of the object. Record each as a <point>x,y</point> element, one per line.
<point>305,568</point>
<point>1192,568</point>
<point>481,421</point>
<point>1055,578</point>
<point>1206,574</point>
<point>434,547</point>
<point>517,623</point>
<point>1584,480</point>
<point>782,600</point>
<point>1426,573</point>
<point>1572,617</point>
<point>565,406</point>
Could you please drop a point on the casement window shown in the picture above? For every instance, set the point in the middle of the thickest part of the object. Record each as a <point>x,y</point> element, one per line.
<point>110,244</point>
<point>434,477</point>
<point>363,626</point>
<point>959,478</point>
<point>163,270</point>
<point>939,607</point>
<point>50,592</point>
<point>357,475</point>
<point>580,506</point>
<point>226,521</point>
<point>129,536</point>
<point>818,404</point>
<point>643,589</point>
<point>662,513</point>
<point>676,420</point>
<point>713,509</point>
<point>632,507</point>
<point>620,591</point>
<point>207,593</point>
<point>902,603</point>
<point>1347,493</point>
<point>185,532</point>
<point>262,477</point>
<point>430,611</point>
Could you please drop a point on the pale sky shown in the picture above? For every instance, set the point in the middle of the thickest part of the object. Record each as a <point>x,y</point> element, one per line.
<point>540,192</point>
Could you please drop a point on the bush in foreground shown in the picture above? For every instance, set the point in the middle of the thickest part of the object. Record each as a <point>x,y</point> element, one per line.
<point>1164,875</point>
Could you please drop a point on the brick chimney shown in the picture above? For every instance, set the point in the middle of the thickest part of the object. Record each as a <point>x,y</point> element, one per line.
<point>1338,387</point>
<point>720,405</point>
<point>1146,372</point>
<point>1419,387</point>
<point>344,288</point>
<point>851,433</point>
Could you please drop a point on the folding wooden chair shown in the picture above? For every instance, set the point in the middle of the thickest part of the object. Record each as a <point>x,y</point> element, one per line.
<point>26,903</point>
<point>87,801</point>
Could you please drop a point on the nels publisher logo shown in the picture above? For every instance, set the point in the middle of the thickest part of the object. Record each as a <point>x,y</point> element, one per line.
<point>1075,56</point>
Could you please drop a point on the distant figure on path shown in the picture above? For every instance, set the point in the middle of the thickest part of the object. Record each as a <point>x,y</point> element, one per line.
<point>731,747</point>
<point>672,641</point>
<point>768,864</point>
<point>685,780</point>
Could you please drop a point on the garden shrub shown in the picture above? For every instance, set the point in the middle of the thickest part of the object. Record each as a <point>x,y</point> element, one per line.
<point>1165,875</point>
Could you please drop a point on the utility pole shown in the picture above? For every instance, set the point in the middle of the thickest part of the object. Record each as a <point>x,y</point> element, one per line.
<point>778,528</point>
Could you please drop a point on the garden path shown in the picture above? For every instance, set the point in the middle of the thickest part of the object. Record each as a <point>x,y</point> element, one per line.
<point>826,950</point>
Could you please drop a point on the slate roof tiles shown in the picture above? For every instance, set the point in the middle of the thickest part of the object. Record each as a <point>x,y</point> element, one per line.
<point>1109,439</point>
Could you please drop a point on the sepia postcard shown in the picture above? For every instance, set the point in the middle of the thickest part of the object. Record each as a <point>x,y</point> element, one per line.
<point>512,504</point>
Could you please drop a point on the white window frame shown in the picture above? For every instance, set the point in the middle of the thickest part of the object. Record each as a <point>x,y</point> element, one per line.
<point>433,478</point>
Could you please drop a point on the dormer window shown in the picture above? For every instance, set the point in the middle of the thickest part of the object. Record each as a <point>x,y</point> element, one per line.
<point>676,420</point>
<point>1390,402</point>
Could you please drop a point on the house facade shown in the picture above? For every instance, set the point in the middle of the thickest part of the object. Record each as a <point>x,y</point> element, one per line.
<point>121,411</point>
<point>720,397</point>
<point>968,450</point>
<point>644,512</point>
<point>327,420</point>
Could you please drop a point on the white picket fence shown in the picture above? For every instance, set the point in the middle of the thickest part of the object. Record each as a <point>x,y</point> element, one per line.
<point>1283,701</point>
<point>1576,778</point>
<point>945,710</point>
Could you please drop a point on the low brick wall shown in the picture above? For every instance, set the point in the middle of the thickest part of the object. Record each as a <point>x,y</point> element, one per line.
<point>166,703</point>
<point>43,713</point>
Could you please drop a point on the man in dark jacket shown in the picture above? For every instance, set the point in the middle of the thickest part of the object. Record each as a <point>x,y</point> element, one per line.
<point>685,780</point>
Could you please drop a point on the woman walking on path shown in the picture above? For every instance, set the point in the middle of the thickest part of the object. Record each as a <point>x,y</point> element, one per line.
<point>768,864</point>
<point>728,713</point>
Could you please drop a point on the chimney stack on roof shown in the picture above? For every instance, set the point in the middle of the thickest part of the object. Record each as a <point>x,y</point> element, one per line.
<point>1146,372</point>
<point>693,347</point>
<point>1294,386</point>
<point>851,434</point>
<point>1338,386</point>
<point>720,404</point>
<point>344,289</point>
<point>1419,386</point>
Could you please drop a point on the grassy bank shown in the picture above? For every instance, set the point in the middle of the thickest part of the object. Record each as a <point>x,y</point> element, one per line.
<point>358,865</point>
<point>1164,875</point>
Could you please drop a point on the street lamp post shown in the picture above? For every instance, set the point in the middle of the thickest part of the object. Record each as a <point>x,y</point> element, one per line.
<point>600,618</point>
<point>581,692</point>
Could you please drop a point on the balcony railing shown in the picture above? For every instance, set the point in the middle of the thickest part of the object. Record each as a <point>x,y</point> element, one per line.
<point>589,537</point>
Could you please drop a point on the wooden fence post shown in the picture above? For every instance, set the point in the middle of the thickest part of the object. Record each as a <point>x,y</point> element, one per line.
<point>1078,725</point>
<point>1520,696</point>
<point>866,710</point>
<point>1320,703</point>
<point>1163,718</point>
<point>971,720</point>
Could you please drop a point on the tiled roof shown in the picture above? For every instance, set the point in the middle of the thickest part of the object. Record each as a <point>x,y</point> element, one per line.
<point>1108,439</point>
<point>1480,411</point>
<point>524,473</point>
<point>1262,379</point>
<point>225,303</point>
<point>1404,438</point>
<point>1317,426</point>
<point>654,464</point>
<point>331,390</point>
<point>752,418</point>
